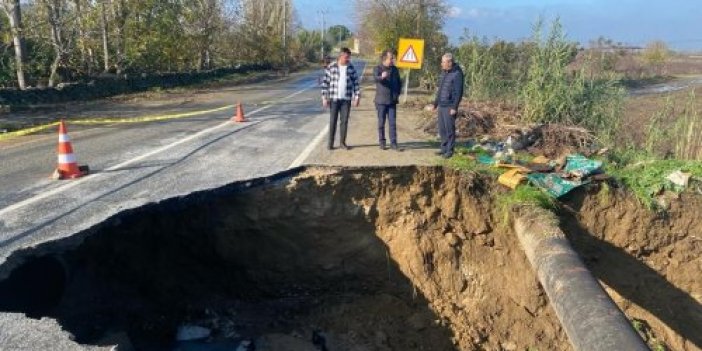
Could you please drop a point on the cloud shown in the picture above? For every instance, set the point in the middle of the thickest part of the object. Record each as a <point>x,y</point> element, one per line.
<point>471,13</point>
<point>455,12</point>
<point>474,13</point>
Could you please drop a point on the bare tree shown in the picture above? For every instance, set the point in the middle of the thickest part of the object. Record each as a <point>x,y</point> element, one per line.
<point>82,7</point>
<point>14,14</point>
<point>56,10</point>
<point>263,26</point>
<point>120,11</point>
<point>204,18</point>
<point>104,24</point>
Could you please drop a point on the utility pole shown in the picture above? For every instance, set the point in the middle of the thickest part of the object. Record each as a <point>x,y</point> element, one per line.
<point>323,13</point>
<point>285,46</point>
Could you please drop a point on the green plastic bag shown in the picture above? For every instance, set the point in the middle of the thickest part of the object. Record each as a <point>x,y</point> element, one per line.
<point>552,184</point>
<point>582,166</point>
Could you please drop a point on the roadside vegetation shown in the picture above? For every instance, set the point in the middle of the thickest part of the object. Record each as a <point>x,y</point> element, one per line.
<point>550,80</point>
<point>50,42</point>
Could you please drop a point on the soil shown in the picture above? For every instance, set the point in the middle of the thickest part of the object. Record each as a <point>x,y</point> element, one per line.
<point>650,263</point>
<point>373,259</point>
<point>394,258</point>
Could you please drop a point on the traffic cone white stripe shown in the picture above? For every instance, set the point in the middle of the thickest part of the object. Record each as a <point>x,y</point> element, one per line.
<point>70,158</point>
<point>64,138</point>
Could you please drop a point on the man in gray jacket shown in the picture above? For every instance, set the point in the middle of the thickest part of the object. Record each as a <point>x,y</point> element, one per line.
<point>448,98</point>
<point>387,93</point>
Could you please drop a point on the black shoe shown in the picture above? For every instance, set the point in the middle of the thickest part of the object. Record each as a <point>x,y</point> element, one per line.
<point>382,146</point>
<point>394,147</point>
<point>345,147</point>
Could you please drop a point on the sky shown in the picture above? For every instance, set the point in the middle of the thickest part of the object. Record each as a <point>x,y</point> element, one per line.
<point>634,22</point>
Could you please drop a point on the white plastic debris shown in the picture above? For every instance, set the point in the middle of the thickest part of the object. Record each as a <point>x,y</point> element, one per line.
<point>192,332</point>
<point>679,178</point>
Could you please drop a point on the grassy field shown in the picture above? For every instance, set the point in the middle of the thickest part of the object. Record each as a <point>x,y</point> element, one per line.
<point>665,125</point>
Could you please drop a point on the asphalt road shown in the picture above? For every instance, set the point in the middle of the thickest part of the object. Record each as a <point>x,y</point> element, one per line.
<point>134,164</point>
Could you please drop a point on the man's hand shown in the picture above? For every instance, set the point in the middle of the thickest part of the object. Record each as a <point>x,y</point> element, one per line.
<point>384,75</point>
<point>452,112</point>
<point>356,102</point>
<point>325,103</point>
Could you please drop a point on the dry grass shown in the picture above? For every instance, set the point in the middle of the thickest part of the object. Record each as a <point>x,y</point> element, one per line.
<point>667,125</point>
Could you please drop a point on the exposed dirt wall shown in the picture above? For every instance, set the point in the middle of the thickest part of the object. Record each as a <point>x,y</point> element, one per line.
<point>650,262</point>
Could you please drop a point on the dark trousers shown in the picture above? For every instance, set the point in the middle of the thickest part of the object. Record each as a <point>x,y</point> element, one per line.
<point>388,112</point>
<point>336,108</point>
<point>447,130</point>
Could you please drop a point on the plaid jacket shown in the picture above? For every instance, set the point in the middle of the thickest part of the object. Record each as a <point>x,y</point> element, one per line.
<point>330,84</point>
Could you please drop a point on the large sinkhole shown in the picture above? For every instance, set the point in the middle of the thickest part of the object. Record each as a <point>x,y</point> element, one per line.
<point>319,259</point>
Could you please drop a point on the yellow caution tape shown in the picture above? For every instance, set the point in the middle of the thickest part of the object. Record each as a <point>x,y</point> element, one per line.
<point>108,120</point>
<point>27,131</point>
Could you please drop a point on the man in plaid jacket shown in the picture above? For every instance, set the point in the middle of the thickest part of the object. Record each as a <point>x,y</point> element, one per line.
<point>339,88</point>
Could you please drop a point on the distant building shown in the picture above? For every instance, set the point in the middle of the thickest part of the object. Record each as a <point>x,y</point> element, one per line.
<point>356,46</point>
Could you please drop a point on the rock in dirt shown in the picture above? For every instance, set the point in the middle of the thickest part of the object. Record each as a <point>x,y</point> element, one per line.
<point>509,346</point>
<point>418,321</point>
<point>192,332</point>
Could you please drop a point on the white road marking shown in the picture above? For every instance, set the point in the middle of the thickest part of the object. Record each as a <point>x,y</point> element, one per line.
<point>74,183</point>
<point>308,150</point>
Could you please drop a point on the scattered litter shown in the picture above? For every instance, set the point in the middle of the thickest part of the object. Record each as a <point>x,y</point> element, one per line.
<point>553,184</point>
<point>679,178</point>
<point>580,166</point>
<point>555,177</point>
<point>512,178</point>
<point>542,160</point>
<point>486,159</point>
<point>192,332</point>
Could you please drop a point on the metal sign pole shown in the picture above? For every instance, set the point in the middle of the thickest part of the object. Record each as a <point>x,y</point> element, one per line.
<point>407,76</point>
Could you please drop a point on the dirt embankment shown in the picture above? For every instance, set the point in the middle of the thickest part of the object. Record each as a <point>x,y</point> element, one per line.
<point>649,262</point>
<point>405,258</point>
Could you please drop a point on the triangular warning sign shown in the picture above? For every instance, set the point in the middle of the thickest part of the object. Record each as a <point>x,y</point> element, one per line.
<point>409,56</point>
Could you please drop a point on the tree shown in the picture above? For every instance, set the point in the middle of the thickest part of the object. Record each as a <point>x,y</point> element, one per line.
<point>120,12</point>
<point>78,38</point>
<point>202,21</point>
<point>307,45</point>
<point>104,26</point>
<point>55,11</point>
<point>14,15</point>
<point>339,33</point>
<point>263,26</point>
<point>85,52</point>
<point>656,55</point>
<point>383,22</point>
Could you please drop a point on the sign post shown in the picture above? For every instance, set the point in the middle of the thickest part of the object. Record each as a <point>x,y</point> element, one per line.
<point>410,56</point>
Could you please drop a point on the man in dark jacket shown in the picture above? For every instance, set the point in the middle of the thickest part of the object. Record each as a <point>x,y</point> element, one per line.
<point>387,93</point>
<point>448,97</point>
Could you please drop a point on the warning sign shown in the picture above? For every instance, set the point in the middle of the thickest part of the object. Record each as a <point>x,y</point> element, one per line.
<point>411,52</point>
<point>409,56</point>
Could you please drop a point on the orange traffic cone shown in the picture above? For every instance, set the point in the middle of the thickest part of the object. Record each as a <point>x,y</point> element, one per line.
<point>239,117</point>
<point>67,166</point>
